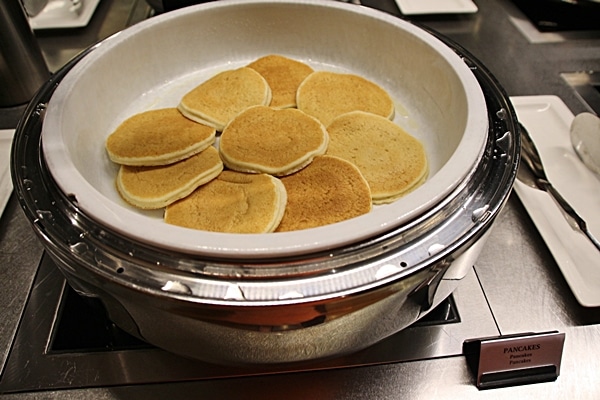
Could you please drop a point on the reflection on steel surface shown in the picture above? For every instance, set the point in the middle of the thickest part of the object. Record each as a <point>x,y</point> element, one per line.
<point>587,86</point>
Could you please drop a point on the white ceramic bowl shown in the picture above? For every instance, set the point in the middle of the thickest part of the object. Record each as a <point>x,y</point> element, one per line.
<point>152,64</point>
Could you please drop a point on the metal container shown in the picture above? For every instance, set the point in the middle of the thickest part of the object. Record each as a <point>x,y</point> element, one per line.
<point>22,66</point>
<point>281,309</point>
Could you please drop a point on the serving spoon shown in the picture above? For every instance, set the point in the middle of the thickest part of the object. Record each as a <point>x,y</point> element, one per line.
<point>585,138</point>
<point>531,172</point>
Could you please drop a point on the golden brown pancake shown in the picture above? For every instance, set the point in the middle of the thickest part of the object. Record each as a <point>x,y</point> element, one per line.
<point>328,190</point>
<point>325,95</point>
<point>216,101</point>
<point>283,75</point>
<point>267,140</point>
<point>157,137</point>
<point>156,187</point>
<point>391,160</point>
<point>234,202</point>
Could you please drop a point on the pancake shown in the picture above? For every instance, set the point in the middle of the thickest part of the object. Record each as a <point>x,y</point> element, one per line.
<point>267,140</point>
<point>234,202</point>
<point>157,137</point>
<point>216,101</point>
<point>328,190</point>
<point>325,95</point>
<point>391,160</point>
<point>156,187</point>
<point>283,75</point>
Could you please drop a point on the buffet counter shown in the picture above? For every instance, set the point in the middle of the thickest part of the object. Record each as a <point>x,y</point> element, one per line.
<point>524,289</point>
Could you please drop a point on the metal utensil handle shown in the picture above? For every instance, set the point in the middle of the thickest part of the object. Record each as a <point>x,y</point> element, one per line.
<point>569,212</point>
<point>531,156</point>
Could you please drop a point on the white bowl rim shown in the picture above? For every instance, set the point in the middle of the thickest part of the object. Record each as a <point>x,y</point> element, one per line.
<point>271,245</point>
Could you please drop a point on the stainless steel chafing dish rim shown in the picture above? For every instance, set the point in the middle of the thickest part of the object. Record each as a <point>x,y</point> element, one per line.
<point>454,224</point>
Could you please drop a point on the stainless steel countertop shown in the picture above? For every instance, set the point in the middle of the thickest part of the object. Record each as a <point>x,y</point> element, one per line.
<point>524,287</point>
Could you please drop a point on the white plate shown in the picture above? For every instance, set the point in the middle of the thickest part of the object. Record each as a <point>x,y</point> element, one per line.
<point>64,14</point>
<point>149,66</point>
<point>416,7</point>
<point>548,120</point>
<point>6,137</point>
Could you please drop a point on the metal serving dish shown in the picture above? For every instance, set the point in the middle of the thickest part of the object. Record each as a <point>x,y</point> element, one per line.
<point>154,63</point>
<point>289,307</point>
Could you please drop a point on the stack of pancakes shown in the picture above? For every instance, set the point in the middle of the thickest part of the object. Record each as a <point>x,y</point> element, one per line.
<point>163,157</point>
<point>298,149</point>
